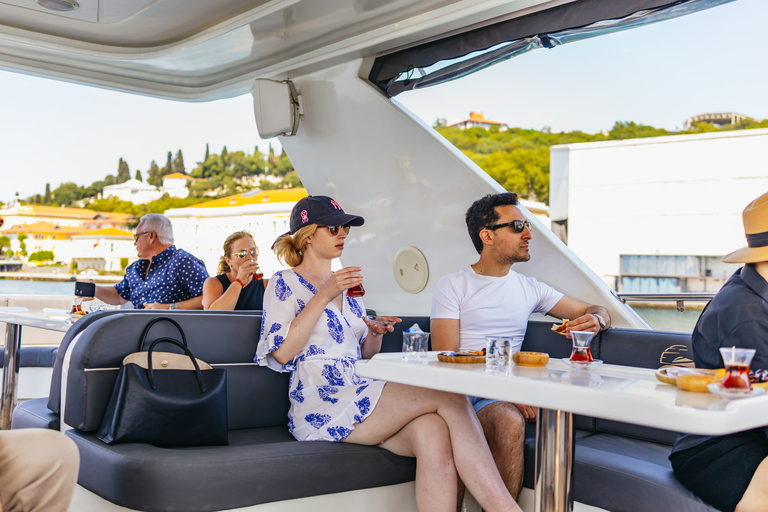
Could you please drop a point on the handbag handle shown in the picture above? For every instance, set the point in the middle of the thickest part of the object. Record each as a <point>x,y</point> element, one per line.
<point>150,371</point>
<point>153,322</point>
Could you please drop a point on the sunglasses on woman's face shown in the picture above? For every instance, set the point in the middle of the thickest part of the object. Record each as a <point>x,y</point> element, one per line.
<point>335,229</point>
<point>242,253</point>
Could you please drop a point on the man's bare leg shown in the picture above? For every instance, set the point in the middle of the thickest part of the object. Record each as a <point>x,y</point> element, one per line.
<point>504,428</point>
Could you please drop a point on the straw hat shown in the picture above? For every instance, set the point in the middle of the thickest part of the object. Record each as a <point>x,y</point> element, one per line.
<point>755,218</point>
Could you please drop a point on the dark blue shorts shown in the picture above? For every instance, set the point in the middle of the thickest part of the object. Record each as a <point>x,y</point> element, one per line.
<point>719,470</point>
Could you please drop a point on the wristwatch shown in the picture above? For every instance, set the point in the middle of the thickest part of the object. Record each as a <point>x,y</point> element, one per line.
<point>174,306</point>
<point>600,321</point>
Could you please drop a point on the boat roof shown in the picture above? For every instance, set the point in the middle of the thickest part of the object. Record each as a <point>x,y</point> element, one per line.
<point>202,50</point>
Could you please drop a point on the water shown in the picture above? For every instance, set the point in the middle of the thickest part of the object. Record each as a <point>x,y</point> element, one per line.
<point>669,319</point>
<point>20,287</point>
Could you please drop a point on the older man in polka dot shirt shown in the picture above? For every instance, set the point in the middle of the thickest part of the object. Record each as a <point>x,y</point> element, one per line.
<point>163,277</point>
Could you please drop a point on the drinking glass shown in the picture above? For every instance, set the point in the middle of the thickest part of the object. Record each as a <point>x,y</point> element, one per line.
<point>415,346</point>
<point>356,291</point>
<point>498,352</point>
<point>737,361</point>
<point>581,353</point>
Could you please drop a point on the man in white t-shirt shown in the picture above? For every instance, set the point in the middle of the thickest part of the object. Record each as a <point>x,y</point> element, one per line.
<point>488,298</point>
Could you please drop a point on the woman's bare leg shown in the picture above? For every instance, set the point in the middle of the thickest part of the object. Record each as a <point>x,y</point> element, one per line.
<point>427,438</point>
<point>400,404</point>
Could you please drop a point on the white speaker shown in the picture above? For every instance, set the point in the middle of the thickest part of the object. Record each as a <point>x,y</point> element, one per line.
<point>277,107</point>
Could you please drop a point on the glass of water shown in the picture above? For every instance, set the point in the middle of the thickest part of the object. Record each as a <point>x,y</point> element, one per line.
<point>498,351</point>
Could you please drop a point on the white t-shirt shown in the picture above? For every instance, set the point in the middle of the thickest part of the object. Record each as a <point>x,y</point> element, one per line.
<point>491,306</point>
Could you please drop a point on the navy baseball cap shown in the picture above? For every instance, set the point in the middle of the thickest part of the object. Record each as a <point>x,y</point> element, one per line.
<point>323,211</point>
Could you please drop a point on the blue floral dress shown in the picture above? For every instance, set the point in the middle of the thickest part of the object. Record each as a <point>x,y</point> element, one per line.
<point>327,398</point>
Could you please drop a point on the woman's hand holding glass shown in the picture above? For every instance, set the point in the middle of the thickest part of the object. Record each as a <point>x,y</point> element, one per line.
<point>340,281</point>
<point>246,270</point>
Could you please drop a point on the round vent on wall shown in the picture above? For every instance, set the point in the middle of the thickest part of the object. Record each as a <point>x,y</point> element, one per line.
<point>411,270</point>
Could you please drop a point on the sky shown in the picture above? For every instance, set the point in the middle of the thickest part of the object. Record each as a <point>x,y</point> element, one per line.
<point>713,61</point>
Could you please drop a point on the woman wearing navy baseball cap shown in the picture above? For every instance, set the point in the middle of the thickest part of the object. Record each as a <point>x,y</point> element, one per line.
<point>315,330</point>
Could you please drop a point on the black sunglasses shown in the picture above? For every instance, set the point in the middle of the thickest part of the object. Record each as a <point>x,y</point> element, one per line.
<point>335,229</point>
<point>517,225</point>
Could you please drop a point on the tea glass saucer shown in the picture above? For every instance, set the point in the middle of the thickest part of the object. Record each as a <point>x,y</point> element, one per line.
<point>578,365</point>
<point>717,389</point>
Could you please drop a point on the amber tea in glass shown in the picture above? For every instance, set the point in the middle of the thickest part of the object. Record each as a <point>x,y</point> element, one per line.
<point>582,352</point>
<point>356,291</point>
<point>737,361</point>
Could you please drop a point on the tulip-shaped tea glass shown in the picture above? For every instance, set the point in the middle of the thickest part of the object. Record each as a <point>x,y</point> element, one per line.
<point>581,353</point>
<point>737,361</point>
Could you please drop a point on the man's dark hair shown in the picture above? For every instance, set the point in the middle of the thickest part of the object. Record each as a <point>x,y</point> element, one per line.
<point>483,213</point>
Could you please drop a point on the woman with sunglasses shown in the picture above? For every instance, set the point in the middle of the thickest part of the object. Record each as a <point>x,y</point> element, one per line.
<point>239,284</point>
<point>315,330</point>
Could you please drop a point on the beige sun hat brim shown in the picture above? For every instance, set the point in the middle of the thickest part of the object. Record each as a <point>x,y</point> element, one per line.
<point>755,218</point>
<point>747,255</point>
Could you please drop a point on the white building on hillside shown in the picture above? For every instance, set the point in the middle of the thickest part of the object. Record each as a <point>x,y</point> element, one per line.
<point>656,215</point>
<point>100,249</point>
<point>132,190</point>
<point>176,184</point>
<point>202,229</point>
<point>139,192</point>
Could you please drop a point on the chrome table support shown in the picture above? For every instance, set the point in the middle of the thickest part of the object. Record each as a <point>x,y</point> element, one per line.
<point>555,444</point>
<point>10,374</point>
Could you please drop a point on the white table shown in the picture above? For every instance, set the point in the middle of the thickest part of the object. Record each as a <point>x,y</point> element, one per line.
<point>15,318</point>
<point>619,393</point>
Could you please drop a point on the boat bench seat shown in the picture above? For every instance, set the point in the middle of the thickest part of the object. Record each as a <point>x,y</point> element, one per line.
<point>617,466</point>
<point>263,463</point>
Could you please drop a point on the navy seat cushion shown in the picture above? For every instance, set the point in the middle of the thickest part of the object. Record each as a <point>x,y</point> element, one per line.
<point>34,414</point>
<point>260,465</point>
<point>617,473</point>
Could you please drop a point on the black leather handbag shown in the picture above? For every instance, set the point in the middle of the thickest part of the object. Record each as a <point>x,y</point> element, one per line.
<point>166,399</point>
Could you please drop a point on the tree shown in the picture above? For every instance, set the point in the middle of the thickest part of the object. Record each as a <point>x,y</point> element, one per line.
<point>178,164</point>
<point>42,256</point>
<point>47,199</point>
<point>207,153</point>
<point>123,263</point>
<point>123,171</point>
<point>22,244</point>
<point>168,169</point>
<point>68,193</point>
<point>154,174</point>
<point>4,242</point>
<point>631,130</point>
<point>138,175</point>
<point>440,122</point>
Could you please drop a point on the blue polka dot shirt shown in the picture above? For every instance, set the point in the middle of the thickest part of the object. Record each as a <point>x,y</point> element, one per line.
<point>174,276</point>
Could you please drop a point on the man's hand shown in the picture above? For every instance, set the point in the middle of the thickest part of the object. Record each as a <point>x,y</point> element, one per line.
<point>156,305</point>
<point>529,412</point>
<point>586,322</point>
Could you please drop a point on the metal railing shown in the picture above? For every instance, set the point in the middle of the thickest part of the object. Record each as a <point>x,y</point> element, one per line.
<point>678,298</point>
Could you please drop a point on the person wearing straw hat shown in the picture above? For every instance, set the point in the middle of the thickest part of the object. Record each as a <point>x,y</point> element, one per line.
<point>731,472</point>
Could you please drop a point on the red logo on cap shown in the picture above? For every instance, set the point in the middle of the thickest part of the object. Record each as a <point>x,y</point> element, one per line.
<point>335,204</point>
<point>304,216</point>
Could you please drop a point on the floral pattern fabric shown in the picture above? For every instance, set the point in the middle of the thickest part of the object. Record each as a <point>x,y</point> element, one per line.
<point>327,397</point>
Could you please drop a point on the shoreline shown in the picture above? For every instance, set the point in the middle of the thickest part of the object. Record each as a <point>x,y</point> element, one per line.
<point>50,276</point>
